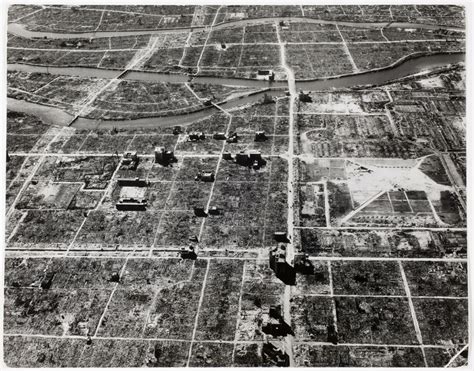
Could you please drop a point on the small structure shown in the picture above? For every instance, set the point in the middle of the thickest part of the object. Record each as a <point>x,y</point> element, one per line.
<point>164,157</point>
<point>274,356</point>
<point>196,135</point>
<point>267,99</point>
<point>207,176</point>
<point>131,204</point>
<point>281,237</point>
<point>305,97</point>
<point>242,158</point>
<point>255,155</point>
<point>273,322</point>
<point>200,211</point>
<point>72,44</point>
<point>47,280</point>
<point>213,210</point>
<point>256,160</point>
<point>332,334</point>
<point>303,265</point>
<point>219,136</point>
<point>132,182</point>
<point>284,25</point>
<point>159,154</point>
<point>275,311</point>
<point>278,263</point>
<point>130,156</point>
<point>188,253</point>
<point>264,74</point>
<point>130,160</point>
<point>115,277</point>
<point>260,136</point>
<point>232,138</point>
<point>364,169</point>
<point>252,158</point>
<point>177,130</point>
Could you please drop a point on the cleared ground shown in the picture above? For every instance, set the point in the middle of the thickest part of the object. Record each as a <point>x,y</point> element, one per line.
<point>374,179</point>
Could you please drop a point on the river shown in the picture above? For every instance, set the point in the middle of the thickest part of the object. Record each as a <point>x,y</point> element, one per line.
<point>407,66</point>
<point>147,76</point>
<point>56,116</point>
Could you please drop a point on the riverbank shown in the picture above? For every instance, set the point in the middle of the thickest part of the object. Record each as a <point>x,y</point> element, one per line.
<point>405,66</point>
<point>402,69</point>
<point>56,116</point>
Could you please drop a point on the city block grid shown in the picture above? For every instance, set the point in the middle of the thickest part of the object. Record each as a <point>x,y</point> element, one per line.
<point>179,196</point>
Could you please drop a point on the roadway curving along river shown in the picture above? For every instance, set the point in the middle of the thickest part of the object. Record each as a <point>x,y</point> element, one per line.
<point>18,29</point>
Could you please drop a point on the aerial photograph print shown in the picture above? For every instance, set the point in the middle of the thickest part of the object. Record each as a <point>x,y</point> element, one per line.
<point>234,185</point>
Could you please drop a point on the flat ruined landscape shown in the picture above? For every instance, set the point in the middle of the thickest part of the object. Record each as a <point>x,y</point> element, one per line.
<point>236,186</point>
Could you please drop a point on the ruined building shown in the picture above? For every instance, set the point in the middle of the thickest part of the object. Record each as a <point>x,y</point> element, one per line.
<point>196,135</point>
<point>130,160</point>
<point>260,136</point>
<point>207,176</point>
<point>273,323</point>
<point>252,158</point>
<point>164,157</point>
<point>131,204</point>
<point>279,264</point>
<point>274,356</point>
<point>132,182</point>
